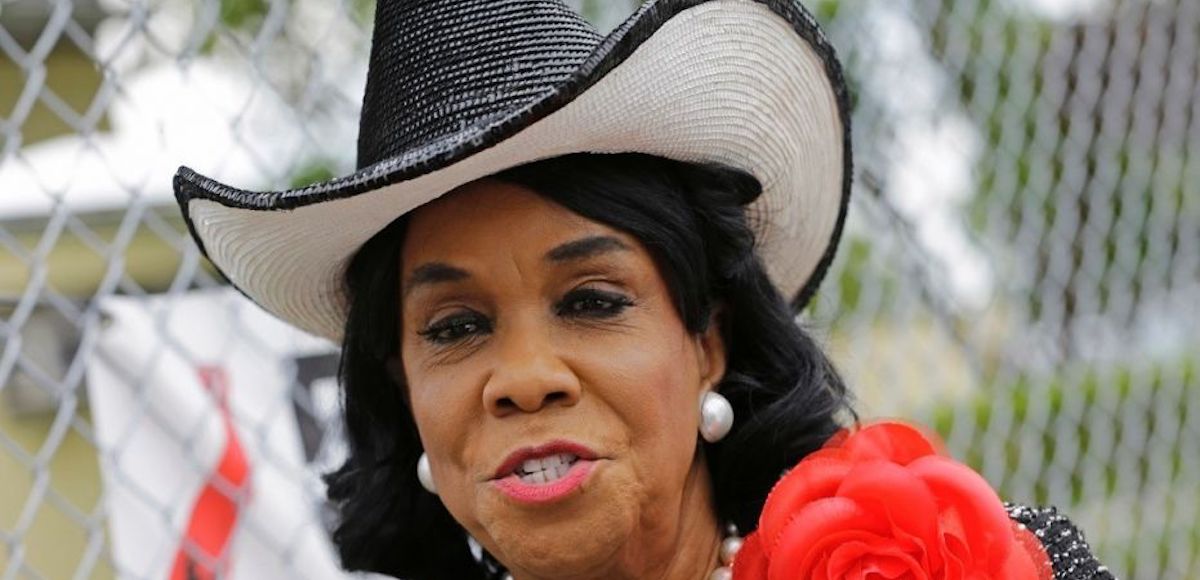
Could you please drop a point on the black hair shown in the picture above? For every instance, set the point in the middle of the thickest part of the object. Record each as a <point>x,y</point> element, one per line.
<point>786,395</point>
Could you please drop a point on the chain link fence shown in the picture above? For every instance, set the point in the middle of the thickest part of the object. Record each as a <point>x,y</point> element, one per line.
<point>1021,268</point>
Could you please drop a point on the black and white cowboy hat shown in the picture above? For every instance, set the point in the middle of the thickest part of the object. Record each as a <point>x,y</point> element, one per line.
<point>461,89</point>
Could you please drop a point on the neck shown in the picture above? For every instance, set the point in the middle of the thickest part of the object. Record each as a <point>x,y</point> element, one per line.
<point>695,559</point>
<point>682,543</point>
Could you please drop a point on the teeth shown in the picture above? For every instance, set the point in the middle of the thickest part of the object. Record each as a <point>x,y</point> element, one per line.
<point>546,469</point>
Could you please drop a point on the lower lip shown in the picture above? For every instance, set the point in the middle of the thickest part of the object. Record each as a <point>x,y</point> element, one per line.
<point>540,493</point>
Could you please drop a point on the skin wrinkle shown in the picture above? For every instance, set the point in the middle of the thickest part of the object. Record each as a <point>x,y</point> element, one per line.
<point>627,387</point>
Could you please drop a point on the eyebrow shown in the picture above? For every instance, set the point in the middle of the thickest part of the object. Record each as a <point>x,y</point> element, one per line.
<point>585,248</point>
<point>434,273</point>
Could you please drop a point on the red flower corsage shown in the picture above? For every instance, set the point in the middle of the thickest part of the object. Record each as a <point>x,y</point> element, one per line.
<point>884,502</point>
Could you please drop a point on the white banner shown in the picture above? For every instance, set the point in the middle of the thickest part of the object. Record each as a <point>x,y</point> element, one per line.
<point>207,463</point>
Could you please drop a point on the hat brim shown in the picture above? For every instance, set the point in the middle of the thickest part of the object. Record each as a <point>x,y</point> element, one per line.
<point>753,85</point>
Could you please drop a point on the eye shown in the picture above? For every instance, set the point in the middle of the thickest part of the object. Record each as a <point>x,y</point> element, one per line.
<point>455,328</point>
<point>591,303</point>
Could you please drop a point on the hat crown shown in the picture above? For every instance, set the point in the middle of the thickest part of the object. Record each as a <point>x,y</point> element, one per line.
<point>446,68</point>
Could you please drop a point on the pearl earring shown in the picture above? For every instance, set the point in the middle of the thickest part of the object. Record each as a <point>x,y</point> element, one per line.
<point>425,474</point>
<point>716,416</point>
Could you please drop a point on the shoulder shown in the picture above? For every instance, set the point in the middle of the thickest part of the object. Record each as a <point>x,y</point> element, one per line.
<point>1069,553</point>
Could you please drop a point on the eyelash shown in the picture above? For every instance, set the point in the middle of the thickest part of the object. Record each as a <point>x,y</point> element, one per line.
<point>611,303</point>
<point>597,304</point>
<point>454,328</point>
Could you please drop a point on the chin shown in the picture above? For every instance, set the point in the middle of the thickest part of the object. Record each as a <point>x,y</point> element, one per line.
<point>576,538</point>
<point>566,552</point>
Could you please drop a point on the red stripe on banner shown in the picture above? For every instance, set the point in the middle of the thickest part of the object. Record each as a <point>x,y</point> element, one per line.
<point>202,551</point>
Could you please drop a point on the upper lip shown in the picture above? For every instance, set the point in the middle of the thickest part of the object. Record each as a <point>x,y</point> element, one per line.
<point>516,458</point>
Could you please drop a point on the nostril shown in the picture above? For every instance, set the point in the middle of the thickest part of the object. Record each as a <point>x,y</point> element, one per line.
<point>507,405</point>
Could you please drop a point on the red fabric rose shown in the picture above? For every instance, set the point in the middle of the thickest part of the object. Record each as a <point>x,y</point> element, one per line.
<point>884,503</point>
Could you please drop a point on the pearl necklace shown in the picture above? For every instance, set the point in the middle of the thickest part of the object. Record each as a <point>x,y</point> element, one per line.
<point>729,549</point>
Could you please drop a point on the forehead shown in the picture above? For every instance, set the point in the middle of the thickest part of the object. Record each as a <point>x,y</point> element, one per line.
<point>488,217</point>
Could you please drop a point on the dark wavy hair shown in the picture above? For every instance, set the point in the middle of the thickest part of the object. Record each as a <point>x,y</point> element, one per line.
<point>786,395</point>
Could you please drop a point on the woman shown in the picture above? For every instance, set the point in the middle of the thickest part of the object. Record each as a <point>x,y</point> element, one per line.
<point>562,364</point>
<point>652,297</point>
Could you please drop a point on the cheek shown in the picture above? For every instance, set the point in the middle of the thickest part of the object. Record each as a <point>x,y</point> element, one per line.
<point>447,411</point>
<point>449,421</point>
<point>442,396</point>
<point>664,394</point>
<point>653,388</point>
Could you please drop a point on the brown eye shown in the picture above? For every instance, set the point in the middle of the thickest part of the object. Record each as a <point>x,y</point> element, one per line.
<point>593,304</point>
<point>455,328</point>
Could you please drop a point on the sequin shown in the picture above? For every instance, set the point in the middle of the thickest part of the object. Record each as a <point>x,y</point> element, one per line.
<point>1070,555</point>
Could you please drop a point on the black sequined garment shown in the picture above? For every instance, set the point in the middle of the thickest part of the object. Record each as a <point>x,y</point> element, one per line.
<point>1070,555</point>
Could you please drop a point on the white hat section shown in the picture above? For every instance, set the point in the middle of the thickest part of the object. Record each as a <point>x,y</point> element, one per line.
<point>727,81</point>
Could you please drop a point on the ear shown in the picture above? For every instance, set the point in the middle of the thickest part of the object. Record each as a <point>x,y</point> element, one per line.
<point>710,351</point>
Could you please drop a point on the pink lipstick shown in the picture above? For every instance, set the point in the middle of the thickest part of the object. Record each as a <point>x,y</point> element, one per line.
<point>545,473</point>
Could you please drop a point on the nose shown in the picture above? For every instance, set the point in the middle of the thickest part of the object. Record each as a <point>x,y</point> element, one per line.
<point>529,375</point>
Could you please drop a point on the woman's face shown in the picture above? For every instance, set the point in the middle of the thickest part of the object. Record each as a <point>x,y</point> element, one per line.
<point>554,385</point>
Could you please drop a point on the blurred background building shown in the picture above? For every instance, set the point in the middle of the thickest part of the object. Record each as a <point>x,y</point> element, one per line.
<point>1021,269</point>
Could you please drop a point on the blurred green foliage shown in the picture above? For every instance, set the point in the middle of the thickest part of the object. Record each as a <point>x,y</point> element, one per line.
<point>859,263</point>
<point>245,16</point>
<point>825,10</point>
<point>312,173</point>
<point>1125,395</point>
<point>240,13</point>
<point>1036,177</point>
<point>1123,407</point>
